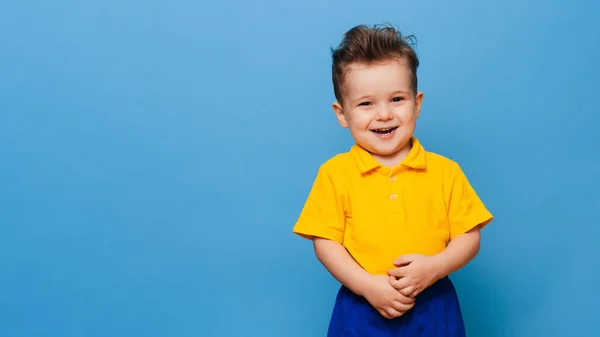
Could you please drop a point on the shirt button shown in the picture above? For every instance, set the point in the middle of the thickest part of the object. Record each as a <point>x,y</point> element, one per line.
<point>392,179</point>
<point>393,197</point>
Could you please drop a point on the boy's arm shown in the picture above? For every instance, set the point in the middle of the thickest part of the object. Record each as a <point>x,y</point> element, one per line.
<point>336,259</point>
<point>459,252</point>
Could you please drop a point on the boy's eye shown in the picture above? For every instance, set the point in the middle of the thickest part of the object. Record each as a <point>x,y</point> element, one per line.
<point>364,104</point>
<point>397,99</point>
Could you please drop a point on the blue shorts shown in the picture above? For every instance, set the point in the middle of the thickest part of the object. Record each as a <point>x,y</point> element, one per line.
<point>436,313</point>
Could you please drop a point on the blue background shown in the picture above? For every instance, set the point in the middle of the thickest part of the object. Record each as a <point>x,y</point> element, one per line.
<point>153,160</point>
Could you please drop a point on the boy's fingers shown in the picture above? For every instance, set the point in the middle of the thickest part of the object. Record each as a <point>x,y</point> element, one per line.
<point>384,313</point>
<point>398,272</point>
<point>408,291</point>
<point>393,313</point>
<point>405,259</point>
<point>404,299</point>
<point>395,282</point>
<point>401,307</point>
<point>401,283</point>
<point>401,261</point>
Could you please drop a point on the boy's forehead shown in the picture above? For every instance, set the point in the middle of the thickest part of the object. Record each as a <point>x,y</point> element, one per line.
<point>361,78</point>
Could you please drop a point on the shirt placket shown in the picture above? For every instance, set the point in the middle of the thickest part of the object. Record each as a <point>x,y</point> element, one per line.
<point>394,190</point>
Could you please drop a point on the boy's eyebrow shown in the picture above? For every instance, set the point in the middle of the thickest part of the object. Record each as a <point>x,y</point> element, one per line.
<point>395,92</point>
<point>361,98</point>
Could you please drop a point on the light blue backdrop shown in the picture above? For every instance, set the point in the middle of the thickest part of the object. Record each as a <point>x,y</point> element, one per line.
<point>154,156</point>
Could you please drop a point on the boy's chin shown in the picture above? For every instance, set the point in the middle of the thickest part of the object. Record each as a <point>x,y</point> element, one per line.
<point>383,152</point>
<point>386,152</point>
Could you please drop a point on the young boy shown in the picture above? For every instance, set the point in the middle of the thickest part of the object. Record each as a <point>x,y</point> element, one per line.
<point>388,219</point>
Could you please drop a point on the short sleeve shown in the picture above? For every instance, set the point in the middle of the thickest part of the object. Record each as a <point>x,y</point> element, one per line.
<point>323,213</point>
<point>465,209</point>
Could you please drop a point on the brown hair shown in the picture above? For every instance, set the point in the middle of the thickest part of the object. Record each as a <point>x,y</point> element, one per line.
<point>363,44</point>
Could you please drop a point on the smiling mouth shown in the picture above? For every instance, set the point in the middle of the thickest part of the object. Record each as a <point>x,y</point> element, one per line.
<point>384,132</point>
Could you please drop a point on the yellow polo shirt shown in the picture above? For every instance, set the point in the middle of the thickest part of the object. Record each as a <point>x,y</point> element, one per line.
<point>380,213</point>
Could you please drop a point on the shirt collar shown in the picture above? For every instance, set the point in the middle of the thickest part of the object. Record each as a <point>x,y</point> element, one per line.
<point>366,162</point>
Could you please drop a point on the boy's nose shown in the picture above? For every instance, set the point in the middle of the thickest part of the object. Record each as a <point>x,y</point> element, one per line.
<point>384,113</point>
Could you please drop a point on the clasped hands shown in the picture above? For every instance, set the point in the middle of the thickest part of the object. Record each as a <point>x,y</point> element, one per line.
<point>394,294</point>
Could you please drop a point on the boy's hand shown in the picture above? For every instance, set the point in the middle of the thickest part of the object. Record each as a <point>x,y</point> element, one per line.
<point>388,301</point>
<point>415,272</point>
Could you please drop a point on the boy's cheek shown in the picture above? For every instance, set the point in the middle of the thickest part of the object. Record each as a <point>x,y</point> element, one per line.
<point>360,122</point>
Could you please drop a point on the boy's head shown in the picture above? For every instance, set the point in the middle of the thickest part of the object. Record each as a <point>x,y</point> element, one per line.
<point>374,77</point>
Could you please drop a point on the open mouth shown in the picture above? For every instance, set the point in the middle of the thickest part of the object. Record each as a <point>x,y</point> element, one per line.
<point>384,132</point>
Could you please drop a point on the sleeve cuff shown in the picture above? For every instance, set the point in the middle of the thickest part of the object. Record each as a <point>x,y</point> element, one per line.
<point>481,220</point>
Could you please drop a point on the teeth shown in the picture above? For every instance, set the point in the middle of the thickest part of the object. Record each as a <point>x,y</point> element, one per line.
<point>384,130</point>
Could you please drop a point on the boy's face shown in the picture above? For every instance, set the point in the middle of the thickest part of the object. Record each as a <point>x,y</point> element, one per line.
<point>380,108</point>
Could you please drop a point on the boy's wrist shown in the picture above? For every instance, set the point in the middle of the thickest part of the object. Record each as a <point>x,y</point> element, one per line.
<point>440,266</point>
<point>360,282</point>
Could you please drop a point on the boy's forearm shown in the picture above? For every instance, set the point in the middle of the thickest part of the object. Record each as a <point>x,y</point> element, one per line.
<point>459,252</point>
<point>341,265</point>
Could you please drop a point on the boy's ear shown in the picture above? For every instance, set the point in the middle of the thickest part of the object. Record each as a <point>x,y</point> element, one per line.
<point>418,103</point>
<point>339,114</point>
